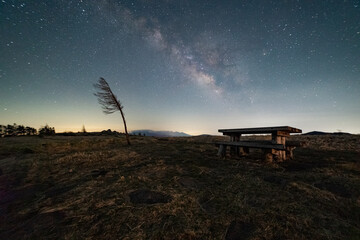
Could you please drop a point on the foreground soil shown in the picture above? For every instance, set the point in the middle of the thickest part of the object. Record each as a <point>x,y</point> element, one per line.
<point>176,188</point>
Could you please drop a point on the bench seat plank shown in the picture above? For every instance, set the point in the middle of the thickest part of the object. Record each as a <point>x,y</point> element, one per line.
<point>288,143</point>
<point>253,144</point>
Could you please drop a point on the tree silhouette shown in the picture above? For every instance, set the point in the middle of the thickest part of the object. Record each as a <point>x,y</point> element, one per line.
<point>109,102</point>
<point>30,131</point>
<point>20,130</point>
<point>16,130</point>
<point>2,130</point>
<point>47,130</point>
<point>10,130</point>
<point>83,130</point>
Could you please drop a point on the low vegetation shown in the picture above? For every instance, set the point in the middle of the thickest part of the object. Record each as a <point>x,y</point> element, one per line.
<point>16,130</point>
<point>75,187</point>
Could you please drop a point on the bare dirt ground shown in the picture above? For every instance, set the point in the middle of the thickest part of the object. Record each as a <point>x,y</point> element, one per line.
<point>176,188</point>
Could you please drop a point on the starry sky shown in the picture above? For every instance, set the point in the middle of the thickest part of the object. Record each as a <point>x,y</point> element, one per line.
<point>181,65</point>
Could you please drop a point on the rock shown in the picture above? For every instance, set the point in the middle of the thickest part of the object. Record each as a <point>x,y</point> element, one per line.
<point>148,197</point>
<point>99,172</point>
<point>275,180</point>
<point>188,182</point>
<point>239,230</point>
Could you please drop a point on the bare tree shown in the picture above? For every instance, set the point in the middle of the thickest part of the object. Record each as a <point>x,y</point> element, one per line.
<point>109,101</point>
<point>83,130</point>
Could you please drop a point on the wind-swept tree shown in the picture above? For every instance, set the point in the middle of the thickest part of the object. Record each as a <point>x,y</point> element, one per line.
<point>109,102</point>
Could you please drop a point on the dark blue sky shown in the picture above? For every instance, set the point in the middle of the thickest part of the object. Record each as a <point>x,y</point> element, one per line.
<point>192,66</point>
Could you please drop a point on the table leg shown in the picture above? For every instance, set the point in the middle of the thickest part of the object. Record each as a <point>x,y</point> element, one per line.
<point>243,151</point>
<point>222,150</point>
<point>283,153</point>
<point>290,153</point>
<point>235,150</point>
<point>268,155</point>
<point>279,139</point>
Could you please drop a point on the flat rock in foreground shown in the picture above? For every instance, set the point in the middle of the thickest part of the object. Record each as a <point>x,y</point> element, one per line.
<point>189,183</point>
<point>148,197</point>
<point>239,230</point>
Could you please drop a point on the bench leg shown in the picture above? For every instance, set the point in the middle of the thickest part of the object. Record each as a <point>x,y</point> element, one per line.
<point>222,150</point>
<point>268,155</point>
<point>243,151</point>
<point>279,139</point>
<point>289,153</point>
<point>233,151</point>
<point>281,156</point>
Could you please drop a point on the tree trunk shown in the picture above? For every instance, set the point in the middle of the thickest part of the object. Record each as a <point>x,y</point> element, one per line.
<point>126,132</point>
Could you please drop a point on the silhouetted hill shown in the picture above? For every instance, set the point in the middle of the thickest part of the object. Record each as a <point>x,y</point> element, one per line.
<point>204,135</point>
<point>315,133</point>
<point>326,133</point>
<point>160,133</point>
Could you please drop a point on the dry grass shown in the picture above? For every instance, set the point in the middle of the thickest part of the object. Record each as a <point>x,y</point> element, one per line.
<point>77,187</point>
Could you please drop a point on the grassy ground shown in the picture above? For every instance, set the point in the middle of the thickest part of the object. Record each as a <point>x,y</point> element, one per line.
<point>78,187</point>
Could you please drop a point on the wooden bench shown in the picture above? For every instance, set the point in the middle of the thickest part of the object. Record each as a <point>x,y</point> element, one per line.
<point>277,148</point>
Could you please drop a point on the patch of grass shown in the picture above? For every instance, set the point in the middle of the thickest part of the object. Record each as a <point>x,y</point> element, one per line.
<point>78,187</point>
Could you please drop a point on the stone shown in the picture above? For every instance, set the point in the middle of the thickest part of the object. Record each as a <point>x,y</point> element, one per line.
<point>99,172</point>
<point>188,182</point>
<point>144,196</point>
<point>239,230</point>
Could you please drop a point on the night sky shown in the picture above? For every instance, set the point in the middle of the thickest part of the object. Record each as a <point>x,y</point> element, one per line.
<point>190,66</point>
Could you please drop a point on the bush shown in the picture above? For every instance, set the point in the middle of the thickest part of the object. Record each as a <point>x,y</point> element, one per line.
<point>46,131</point>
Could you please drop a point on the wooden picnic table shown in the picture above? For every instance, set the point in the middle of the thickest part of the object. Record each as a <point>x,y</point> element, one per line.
<point>277,147</point>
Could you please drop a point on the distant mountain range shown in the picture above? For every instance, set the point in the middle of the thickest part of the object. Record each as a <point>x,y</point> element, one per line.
<point>326,133</point>
<point>152,133</point>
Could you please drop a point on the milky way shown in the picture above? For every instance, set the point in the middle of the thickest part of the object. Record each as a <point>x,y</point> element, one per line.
<point>192,66</point>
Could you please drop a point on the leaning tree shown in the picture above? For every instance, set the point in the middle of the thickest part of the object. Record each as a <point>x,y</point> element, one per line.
<point>109,102</point>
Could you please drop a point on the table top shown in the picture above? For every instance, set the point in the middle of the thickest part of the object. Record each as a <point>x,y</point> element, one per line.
<point>261,130</point>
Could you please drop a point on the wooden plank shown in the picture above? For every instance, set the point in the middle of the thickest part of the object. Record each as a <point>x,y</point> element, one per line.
<point>253,145</point>
<point>282,154</point>
<point>275,139</point>
<point>260,130</point>
<point>287,143</point>
<point>281,133</point>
